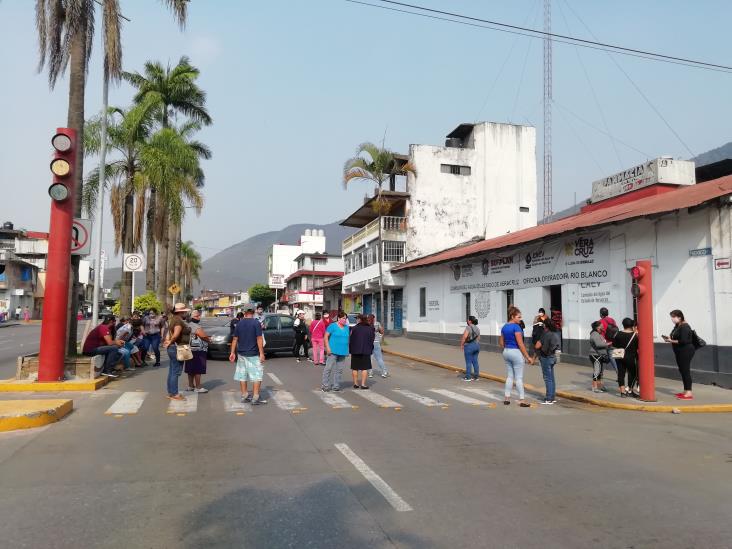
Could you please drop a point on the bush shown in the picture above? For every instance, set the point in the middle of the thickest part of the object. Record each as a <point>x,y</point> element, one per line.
<point>142,303</point>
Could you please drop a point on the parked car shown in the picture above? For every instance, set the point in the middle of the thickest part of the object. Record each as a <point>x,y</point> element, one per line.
<point>353,319</point>
<point>279,336</point>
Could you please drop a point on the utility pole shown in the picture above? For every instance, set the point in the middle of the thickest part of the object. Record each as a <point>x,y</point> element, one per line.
<point>547,109</point>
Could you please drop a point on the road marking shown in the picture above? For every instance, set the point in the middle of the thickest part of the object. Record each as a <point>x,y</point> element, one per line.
<point>376,481</point>
<point>286,401</point>
<point>380,400</point>
<point>483,392</point>
<point>424,400</point>
<point>128,403</point>
<point>233,403</point>
<point>189,405</point>
<point>461,398</point>
<point>334,401</point>
<point>274,378</point>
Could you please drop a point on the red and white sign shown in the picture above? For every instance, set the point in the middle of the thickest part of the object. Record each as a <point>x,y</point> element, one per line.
<point>81,237</point>
<point>722,263</point>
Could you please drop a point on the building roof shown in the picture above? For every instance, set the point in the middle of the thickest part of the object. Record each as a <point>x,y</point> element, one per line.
<point>366,214</point>
<point>308,272</point>
<point>684,197</point>
<point>461,132</point>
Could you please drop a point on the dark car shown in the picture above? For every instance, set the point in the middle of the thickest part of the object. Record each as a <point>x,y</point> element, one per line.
<point>279,336</point>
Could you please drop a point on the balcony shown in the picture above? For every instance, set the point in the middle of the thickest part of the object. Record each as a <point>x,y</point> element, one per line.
<point>392,228</point>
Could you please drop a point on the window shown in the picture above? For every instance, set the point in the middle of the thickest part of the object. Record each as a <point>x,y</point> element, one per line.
<point>393,252</point>
<point>524,209</point>
<point>466,297</point>
<point>423,302</point>
<point>319,262</point>
<point>455,169</point>
<point>270,323</point>
<point>286,322</point>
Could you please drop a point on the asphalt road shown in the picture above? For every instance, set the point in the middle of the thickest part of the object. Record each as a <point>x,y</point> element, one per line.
<point>14,341</point>
<point>459,475</point>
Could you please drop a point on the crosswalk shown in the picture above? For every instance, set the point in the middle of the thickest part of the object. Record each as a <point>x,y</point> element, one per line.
<point>131,403</point>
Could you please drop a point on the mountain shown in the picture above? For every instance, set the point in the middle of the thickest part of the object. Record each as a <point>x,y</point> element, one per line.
<point>715,155</point>
<point>239,266</point>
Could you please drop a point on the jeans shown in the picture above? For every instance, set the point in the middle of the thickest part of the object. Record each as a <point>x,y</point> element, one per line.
<point>128,348</point>
<point>547,369</point>
<point>332,371</point>
<point>112,355</point>
<point>610,358</point>
<point>318,351</point>
<point>174,370</point>
<point>378,355</point>
<point>152,341</point>
<point>514,371</point>
<point>471,350</point>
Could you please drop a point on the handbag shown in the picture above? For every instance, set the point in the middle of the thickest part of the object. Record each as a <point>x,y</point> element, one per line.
<point>620,353</point>
<point>183,353</point>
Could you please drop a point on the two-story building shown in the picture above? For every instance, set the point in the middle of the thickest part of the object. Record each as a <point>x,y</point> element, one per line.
<point>304,287</point>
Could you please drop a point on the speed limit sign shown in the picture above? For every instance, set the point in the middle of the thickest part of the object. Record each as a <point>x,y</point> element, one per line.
<point>133,263</point>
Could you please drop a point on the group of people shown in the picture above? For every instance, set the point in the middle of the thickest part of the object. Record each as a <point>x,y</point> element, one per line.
<point>20,312</point>
<point>608,345</point>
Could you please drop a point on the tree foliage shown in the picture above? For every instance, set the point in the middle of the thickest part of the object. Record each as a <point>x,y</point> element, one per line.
<point>259,293</point>
<point>143,303</point>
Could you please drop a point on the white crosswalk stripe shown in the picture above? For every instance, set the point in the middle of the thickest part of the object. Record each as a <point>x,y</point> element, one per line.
<point>483,392</point>
<point>380,400</point>
<point>274,378</point>
<point>128,403</point>
<point>424,400</point>
<point>286,401</point>
<point>460,398</point>
<point>333,400</point>
<point>233,403</point>
<point>187,406</point>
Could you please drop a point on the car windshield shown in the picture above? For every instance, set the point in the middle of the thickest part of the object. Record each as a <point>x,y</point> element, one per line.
<point>353,319</point>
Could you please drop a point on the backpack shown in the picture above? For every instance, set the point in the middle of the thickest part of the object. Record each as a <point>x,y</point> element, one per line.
<point>611,330</point>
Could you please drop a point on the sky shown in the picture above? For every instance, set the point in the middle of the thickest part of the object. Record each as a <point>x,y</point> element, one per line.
<point>294,86</point>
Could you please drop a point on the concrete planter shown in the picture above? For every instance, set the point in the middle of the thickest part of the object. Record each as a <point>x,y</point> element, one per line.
<point>76,367</point>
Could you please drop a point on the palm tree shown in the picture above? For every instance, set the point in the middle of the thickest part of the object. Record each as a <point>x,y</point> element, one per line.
<point>65,31</point>
<point>174,90</point>
<point>376,165</point>
<point>190,267</point>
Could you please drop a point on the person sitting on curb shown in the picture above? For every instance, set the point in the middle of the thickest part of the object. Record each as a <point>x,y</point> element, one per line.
<point>100,342</point>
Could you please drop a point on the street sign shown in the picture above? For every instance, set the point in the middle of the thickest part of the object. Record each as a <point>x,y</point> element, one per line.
<point>174,288</point>
<point>133,263</point>
<point>699,252</point>
<point>722,263</point>
<point>81,237</point>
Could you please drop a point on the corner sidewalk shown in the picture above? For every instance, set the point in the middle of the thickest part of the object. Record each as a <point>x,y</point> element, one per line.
<point>573,380</point>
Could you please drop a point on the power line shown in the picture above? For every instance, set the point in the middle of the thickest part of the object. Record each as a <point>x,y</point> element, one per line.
<point>599,46</point>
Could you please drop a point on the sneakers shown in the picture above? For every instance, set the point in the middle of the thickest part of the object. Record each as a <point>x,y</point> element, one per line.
<point>156,365</point>
<point>684,397</point>
<point>298,360</point>
<point>547,402</point>
<point>190,389</point>
<point>202,390</point>
<point>384,375</point>
<point>467,379</point>
<point>259,400</point>
<point>247,399</point>
<point>355,386</point>
<point>107,374</point>
<point>371,375</point>
<point>325,389</point>
<point>476,378</point>
<point>364,387</point>
<point>336,389</point>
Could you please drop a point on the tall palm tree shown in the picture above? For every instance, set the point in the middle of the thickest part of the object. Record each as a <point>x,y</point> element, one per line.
<point>190,267</point>
<point>65,31</point>
<point>174,89</point>
<point>376,165</point>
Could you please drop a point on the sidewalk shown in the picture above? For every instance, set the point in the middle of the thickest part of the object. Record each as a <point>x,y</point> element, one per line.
<point>573,381</point>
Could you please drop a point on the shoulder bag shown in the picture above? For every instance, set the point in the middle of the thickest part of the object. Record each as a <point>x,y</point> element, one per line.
<point>620,353</point>
<point>183,352</point>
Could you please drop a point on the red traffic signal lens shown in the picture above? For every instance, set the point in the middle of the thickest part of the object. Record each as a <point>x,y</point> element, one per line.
<point>637,272</point>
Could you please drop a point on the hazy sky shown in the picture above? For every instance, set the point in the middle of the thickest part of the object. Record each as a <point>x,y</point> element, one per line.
<point>294,86</point>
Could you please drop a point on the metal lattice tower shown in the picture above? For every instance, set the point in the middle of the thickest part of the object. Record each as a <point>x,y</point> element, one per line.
<point>547,109</point>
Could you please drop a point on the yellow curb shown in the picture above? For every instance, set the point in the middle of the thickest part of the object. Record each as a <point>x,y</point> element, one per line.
<point>15,386</point>
<point>26,414</point>
<point>659,408</point>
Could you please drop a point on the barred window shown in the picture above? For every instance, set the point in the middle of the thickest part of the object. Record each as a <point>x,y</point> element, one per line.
<point>455,169</point>
<point>393,251</point>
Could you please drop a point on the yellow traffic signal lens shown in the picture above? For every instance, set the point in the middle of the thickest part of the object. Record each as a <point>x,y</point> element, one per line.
<point>61,142</point>
<point>60,167</point>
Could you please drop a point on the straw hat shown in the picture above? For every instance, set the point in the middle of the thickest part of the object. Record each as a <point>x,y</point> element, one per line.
<point>180,308</point>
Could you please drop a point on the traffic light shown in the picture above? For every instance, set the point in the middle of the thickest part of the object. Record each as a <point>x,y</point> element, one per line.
<point>638,273</point>
<point>62,165</point>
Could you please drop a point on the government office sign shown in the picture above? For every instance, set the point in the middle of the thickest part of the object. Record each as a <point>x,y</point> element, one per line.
<point>661,170</point>
<point>572,260</point>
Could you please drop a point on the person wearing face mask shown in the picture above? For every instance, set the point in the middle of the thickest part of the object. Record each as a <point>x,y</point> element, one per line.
<point>336,348</point>
<point>682,341</point>
<point>196,367</point>
<point>515,355</point>
<point>470,345</point>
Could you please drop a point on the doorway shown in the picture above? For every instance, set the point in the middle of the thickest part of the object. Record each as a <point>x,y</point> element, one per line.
<point>509,301</point>
<point>466,297</point>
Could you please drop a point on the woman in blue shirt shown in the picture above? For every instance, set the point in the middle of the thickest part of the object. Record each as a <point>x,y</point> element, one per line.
<point>515,355</point>
<point>336,347</point>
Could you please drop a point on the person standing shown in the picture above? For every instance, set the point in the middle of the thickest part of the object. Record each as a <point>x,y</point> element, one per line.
<point>259,315</point>
<point>336,349</point>
<point>327,318</point>
<point>101,342</point>
<point>178,334</point>
<point>537,330</point>
<point>470,345</point>
<point>18,312</point>
<point>247,350</point>
<point>378,353</point>
<point>152,325</point>
<point>514,355</point>
<point>26,315</point>
<point>682,340</point>
<point>626,341</point>
<point>234,321</point>
<point>546,347</point>
<point>317,335</point>
<point>361,346</point>
<point>196,367</point>
<point>598,357</point>
<point>301,336</point>
<point>608,330</point>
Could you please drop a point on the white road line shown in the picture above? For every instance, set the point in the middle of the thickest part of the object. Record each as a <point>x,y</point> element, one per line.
<point>187,406</point>
<point>483,392</point>
<point>424,400</point>
<point>274,378</point>
<point>286,401</point>
<point>376,481</point>
<point>333,400</point>
<point>233,403</point>
<point>461,398</point>
<point>128,403</point>
<point>380,400</point>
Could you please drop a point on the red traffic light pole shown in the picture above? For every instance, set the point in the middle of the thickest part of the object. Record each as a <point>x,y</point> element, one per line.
<point>58,265</point>
<point>643,290</point>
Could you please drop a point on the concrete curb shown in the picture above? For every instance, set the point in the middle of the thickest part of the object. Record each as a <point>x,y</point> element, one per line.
<point>15,386</point>
<point>658,408</point>
<point>27,414</point>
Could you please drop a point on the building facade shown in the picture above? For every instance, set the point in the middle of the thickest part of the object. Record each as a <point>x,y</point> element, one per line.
<point>304,287</point>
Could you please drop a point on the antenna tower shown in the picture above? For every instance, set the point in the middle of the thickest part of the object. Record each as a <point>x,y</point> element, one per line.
<point>547,110</point>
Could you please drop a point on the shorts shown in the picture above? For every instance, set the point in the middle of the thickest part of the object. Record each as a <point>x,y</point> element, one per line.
<point>248,368</point>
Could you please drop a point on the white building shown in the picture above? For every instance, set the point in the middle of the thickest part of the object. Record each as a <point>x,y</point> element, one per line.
<point>282,262</point>
<point>574,266</point>
<point>305,286</point>
<point>482,183</point>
